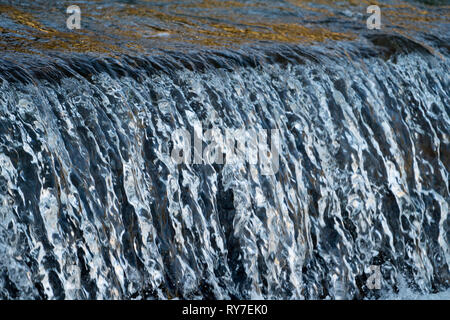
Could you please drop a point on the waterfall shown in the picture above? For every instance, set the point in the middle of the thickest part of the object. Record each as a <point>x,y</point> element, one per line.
<point>246,149</point>
<point>93,205</point>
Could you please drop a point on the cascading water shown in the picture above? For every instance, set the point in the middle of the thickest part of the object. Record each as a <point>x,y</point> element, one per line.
<point>92,204</point>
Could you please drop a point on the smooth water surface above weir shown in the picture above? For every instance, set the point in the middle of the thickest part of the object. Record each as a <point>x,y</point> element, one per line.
<point>224,150</point>
<point>143,27</point>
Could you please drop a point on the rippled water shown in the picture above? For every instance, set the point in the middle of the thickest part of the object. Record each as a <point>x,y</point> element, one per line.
<point>93,205</point>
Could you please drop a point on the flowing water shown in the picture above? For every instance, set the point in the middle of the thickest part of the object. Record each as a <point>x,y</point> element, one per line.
<point>92,205</point>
